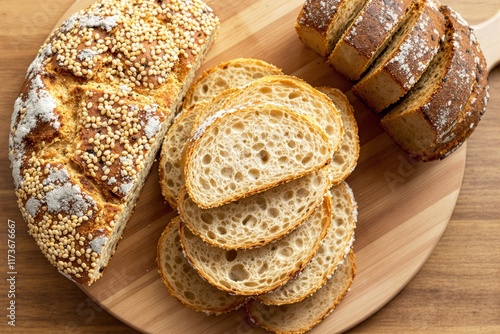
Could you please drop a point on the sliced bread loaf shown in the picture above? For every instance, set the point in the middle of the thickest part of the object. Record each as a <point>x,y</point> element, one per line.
<point>346,158</point>
<point>367,36</point>
<point>258,219</point>
<point>297,95</point>
<point>471,113</point>
<point>301,317</point>
<point>239,152</point>
<point>184,283</point>
<point>230,74</point>
<point>171,180</point>
<point>259,270</point>
<point>426,115</point>
<point>405,59</point>
<point>320,22</point>
<point>334,248</point>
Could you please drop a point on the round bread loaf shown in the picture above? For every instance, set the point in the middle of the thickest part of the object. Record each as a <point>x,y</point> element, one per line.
<point>92,112</point>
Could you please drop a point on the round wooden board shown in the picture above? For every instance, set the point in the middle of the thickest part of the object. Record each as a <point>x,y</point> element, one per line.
<point>404,205</point>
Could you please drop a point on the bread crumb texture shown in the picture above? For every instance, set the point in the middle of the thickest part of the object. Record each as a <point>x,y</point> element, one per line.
<point>95,103</point>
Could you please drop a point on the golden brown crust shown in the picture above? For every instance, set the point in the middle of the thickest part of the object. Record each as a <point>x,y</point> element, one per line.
<point>96,101</point>
<point>367,36</point>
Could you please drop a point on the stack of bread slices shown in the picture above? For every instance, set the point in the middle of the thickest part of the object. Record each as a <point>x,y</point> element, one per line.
<point>416,62</point>
<point>256,164</point>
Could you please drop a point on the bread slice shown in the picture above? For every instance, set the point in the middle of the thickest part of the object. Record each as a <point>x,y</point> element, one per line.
<point>239,152</point>
<point>406,58</point>
<point>320,23</point>
<point>297,95</point>
<point>230,74</point>
<point>334,248</point>
<point>346,158</point>
<point>258,219</point>
<point>171,179</point>
<point>90,120</point>
<point>367,36</point>
<point>184,283</point>
<point>301,317</point>
<point>472,112</point>
<point>258,270</point>
<point>431,109</point>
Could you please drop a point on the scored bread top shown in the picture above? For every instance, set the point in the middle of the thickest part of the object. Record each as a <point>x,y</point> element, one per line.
<point>183,282</point>
<point>321,22</point>
<point>432,107</point>
<point>259,270</point>
<point>302,316</point>
<point>230,74</point>
<point>346,158</point>
<point>405,59</point>
<point>367,36</point>
<point>89,119</point>
<point>334,248</point>
<point>258,219</point>
<point>239,152</point>
<point>295,94</point>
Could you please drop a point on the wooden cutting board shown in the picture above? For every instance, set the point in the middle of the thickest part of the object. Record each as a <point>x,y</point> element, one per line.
<point>404,205</point>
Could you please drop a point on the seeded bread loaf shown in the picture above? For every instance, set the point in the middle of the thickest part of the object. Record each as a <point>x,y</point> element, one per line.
<point>432,108</point>
<point>346,158</point>
<point>333,250</point>
<point>302,316</point>
<point>405,59</point>
<point>230,74</point>
<point>239,152</point>
<point>321,22</point>
<point>90,119</point>
<point>258,219</point>
<point>367,36</point>
<point>259,270</point>
<point>184,283</point>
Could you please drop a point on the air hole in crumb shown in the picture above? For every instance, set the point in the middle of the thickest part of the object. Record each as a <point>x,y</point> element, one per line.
<point>302,192</point>
<point>238,177</point>
<point>227,172</point>
<point>263,268</point>
<point>238,273</point>
<point>265,90</point>
<point>254,174</point>
<point>288,195</point>
<point>286,251</point>
<point>249,221</point>
<point>189,295</point>
<point>204,88</point>
<point>222,230</point>
<point>264,156</point>
<point>231,255</point>
<point>207,159</point>
<point>273,212</point>
<point>207,218</point>
<point>238,127</point>
<point>292,144</point>
<point>261,203</point>
<point>257,146</point>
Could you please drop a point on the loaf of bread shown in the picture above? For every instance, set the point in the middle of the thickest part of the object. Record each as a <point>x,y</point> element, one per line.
<point>302,316</point>
<point>334,248</point>
<point>321,22</point>
<point>230,74</point>
<point>184,283</point>
<point>405,59</point>
<point>346,158</point>
<point>429,112</point>
<point>242,151</point>
<point>92,113</point>
<point>258,219</point>
<point>259,270</point>
<point>367,36</point>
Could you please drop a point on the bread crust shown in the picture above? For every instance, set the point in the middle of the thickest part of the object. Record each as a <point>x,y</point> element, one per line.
<point>367,36</point>
<point>396,72</point>
<point>440,108</point>
<point>90,118</point>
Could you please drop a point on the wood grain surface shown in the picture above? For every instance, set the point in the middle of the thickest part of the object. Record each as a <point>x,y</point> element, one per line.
<point>404,208</point>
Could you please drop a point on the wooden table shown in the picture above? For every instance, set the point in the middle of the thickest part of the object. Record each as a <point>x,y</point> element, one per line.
<point>456,291</point>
